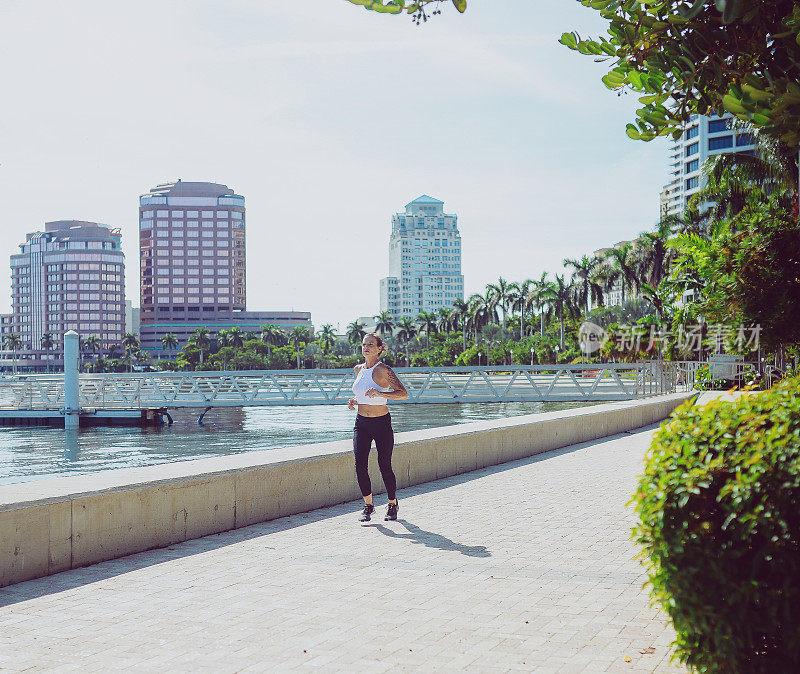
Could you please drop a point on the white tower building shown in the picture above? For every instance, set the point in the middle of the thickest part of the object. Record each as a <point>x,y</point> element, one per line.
<point>703,137</point>
<point>424,260</point>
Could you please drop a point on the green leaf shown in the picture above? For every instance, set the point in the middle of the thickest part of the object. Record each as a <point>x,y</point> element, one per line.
<point>692,11</point>
<point>460,5</point>
<point>633,132</point>
<point>734,105</point>
<point>569,40</point>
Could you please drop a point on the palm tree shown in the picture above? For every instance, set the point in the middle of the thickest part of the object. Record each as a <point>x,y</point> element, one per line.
<point>561,302</point>
<point>491,332</point>
<point>383,323</point>
<point>130,342</point>
<point>355,333</point>
<point>299,335</point>
<point>270,334</point>
<point>407,331</point>
<point>235,337</point>
<point>444,320</point>
<point>48,343</point>
<point>732,176</point>
<point>201,340</point>
<point>499,295</point>
<point>582,274</point>
<point>93,344</point>
<point>327,338</point>
<point>461,312</point>
<point>14,343</point>
<point>521,301</point>
<point>653,255</point>
<point>622,266</point>
<point>427,322</point>
<point>480,312</point>
<point>169,342</point>
<point>542,295</point>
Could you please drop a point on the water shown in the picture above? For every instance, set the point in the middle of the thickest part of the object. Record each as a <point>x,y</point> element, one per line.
<point>39,452</point>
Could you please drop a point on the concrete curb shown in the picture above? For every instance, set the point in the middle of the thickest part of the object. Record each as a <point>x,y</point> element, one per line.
<point>54,525</point>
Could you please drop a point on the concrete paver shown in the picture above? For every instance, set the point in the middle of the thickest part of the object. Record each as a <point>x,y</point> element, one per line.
<point>526,566</point>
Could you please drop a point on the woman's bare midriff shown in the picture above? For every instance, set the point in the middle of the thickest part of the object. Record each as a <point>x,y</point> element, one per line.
<point>373,410</point>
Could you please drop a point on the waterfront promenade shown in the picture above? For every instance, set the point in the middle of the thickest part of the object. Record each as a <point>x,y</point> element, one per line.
<point>526,566</point>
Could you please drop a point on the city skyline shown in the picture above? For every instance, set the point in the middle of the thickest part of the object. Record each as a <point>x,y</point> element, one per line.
<point>318,131</point>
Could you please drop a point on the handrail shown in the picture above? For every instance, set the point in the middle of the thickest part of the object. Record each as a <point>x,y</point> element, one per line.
<point>488,383</point>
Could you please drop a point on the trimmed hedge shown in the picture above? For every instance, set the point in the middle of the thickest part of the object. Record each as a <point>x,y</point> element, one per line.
<point>719,510</point>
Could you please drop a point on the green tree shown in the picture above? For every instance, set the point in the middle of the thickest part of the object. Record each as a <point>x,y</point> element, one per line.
<point>327,338</point>
<point>653,254</point>
<point>271,335</point>
<point>235,337</point>
<point>298,336</point>
<point>13,343</point>
<point>623,267</point>
<point>201,340</point>
<point>169,342</point>
<point>48,343</point>
<point>407,329</point>
<point>542,295</point>
<point>582,275</point>
<point>384,323</point>
<point>427,324</point>
<point>93,345</point>
<point>416,8</point>
<point>500,295</point>
<point>355,333</point>
<point>131,345</point>
<point>461,310</point>
<point>561,301</point>
<point>702,56</point>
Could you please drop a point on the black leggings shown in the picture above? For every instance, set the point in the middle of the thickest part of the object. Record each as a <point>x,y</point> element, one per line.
<point>379,429</point>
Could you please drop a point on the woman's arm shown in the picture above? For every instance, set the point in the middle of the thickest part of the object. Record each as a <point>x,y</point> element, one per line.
<point>385,377</point>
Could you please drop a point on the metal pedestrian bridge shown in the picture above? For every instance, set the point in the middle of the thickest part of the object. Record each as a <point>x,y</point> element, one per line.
<point>495,383</point>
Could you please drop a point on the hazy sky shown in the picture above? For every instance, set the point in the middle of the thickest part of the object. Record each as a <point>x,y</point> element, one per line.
<point>328,119</point>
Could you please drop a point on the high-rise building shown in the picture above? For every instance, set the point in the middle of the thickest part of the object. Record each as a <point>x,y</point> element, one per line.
<point>192,255</point>
<point>71,276</point>
<point>192,245</point>
<point>424,260</point>
<point>703,137</point>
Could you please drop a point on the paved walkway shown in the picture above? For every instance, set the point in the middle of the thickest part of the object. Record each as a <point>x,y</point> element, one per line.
<point>523,567</point>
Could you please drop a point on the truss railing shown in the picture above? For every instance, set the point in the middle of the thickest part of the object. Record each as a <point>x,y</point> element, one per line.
<point>502,383</point>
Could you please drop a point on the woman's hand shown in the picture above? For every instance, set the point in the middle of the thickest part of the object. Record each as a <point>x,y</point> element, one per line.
<point>351,404</point>
<point>373,393</point>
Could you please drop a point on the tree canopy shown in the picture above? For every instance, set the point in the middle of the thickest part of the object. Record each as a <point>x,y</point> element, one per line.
<point>414,7</point>
<point>702,56</point>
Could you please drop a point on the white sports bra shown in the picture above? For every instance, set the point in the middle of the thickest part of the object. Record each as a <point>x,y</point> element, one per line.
<point>363,383</point>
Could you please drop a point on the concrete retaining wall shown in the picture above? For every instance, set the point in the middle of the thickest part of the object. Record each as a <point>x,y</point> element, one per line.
<point>53,525</point>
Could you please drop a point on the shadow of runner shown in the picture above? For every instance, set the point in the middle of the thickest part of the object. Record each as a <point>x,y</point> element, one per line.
<point>432,540</point>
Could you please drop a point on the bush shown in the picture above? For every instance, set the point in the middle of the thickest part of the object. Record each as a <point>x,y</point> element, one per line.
<point>719,505</point>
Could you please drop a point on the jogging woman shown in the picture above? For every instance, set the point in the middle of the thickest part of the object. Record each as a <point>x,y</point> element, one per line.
<point>375,384</point>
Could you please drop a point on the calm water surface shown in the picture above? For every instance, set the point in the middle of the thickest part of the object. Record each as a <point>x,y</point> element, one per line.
<point>39,452</point>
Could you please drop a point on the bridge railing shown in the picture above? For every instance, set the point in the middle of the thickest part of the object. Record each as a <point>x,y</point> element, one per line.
<point>493,383</point>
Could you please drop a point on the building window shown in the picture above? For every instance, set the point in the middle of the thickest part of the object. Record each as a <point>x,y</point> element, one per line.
<point>745,139</point>
<point>692,166</point>
<point>720,142</point>
<point>691,183</point>
<point>691,133</point>
<point>717,125</point>
<point>692,149</point>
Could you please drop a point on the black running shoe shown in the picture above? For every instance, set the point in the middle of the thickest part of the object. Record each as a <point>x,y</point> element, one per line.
<point>391,512</point>
<point>367,512</point>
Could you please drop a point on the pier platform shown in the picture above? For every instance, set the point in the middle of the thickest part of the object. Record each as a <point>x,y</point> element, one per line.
<point>526,566</point>
<point>88,417</point>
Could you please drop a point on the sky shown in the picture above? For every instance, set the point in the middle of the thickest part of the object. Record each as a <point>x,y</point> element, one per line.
<point>328,118</point>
